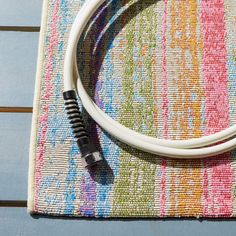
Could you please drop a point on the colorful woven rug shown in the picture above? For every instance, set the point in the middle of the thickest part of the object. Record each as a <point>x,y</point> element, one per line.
<point>164,68</point>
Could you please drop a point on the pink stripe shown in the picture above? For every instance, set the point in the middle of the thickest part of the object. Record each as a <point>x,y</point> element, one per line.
<point>43,119</point>
<point>217,174</point>
<point>165,110</point>
<point>163,188</point>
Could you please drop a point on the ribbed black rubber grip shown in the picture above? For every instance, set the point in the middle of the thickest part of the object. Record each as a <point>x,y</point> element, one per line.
<point>75,118</point>
<point>88,151</point>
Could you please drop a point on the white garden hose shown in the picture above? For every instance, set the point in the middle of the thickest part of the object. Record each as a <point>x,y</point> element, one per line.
<point>192,148</point>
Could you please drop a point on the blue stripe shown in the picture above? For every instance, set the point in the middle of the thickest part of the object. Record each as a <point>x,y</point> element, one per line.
<point>70,191</point>
<point>70,194</point>
<point>111,151</point>
<point>232,84</point>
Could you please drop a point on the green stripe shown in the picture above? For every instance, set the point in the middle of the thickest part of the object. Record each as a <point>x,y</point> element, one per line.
<point>134,187</point>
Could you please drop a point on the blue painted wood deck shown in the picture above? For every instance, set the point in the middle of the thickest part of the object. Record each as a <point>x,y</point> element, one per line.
<point>19,23</point>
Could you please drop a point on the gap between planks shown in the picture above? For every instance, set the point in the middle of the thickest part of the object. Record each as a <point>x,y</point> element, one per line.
<point>20,28</point>
<point>17,109</point>
<point>10,203</point>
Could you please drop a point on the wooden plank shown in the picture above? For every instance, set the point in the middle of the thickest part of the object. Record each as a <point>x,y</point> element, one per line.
<point>14,146</point>
<point>15,221</point>
<point>18,57</point>
<point>20,13</point>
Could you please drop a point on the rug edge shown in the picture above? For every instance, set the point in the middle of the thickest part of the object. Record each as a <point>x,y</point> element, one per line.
<point>36,102</point>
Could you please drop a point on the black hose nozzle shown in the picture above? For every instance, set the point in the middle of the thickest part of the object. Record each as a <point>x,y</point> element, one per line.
<point>89,154</point>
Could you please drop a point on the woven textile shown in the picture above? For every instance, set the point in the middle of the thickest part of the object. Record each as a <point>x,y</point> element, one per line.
<point>166,69</point>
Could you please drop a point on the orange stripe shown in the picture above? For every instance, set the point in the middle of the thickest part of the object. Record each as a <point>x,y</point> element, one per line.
<point>187,106</point>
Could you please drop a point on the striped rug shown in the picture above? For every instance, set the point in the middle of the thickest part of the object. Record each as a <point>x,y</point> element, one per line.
<point>165,68</point>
